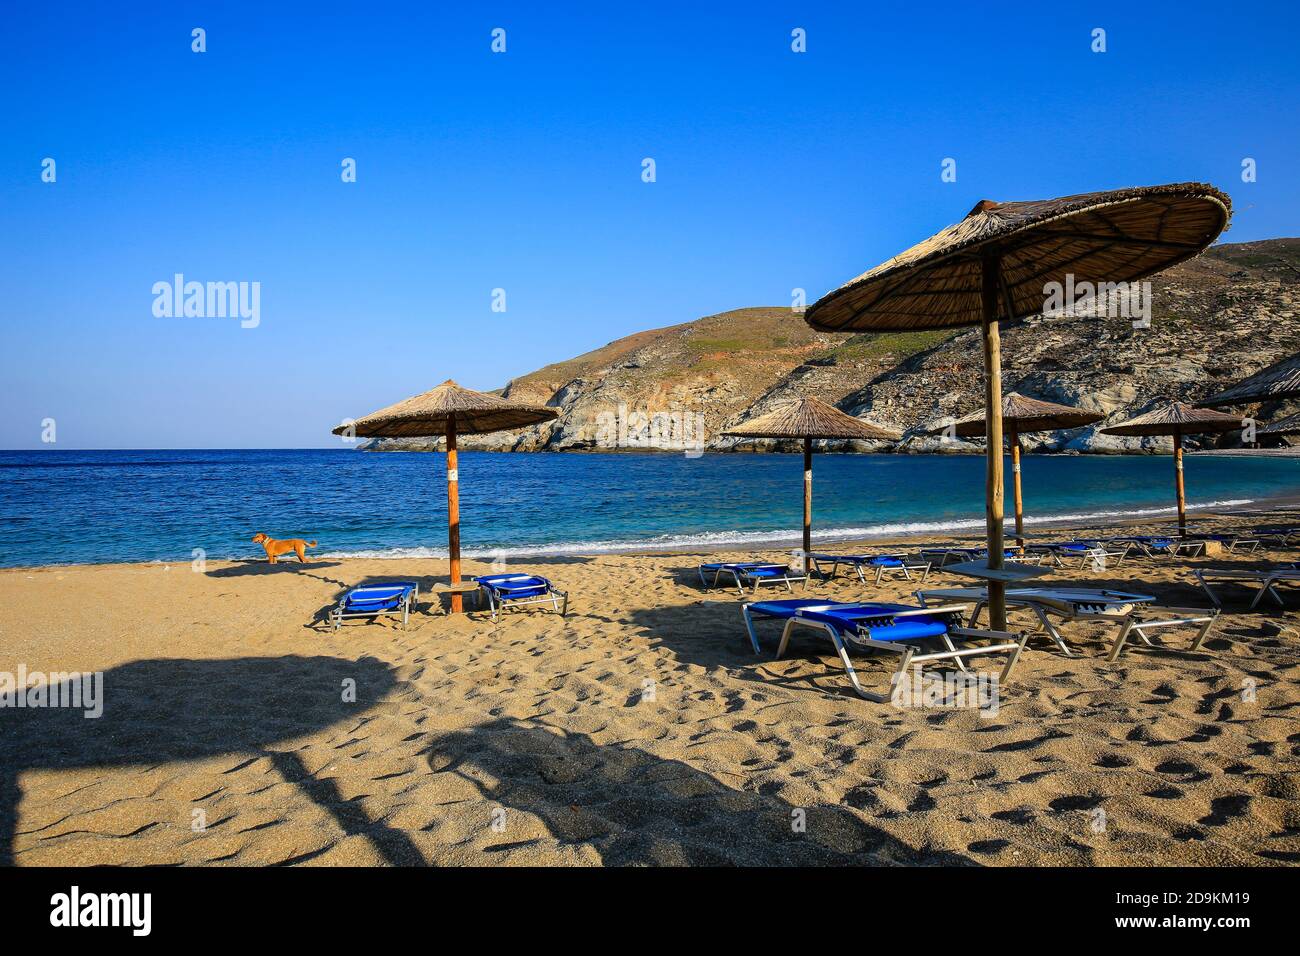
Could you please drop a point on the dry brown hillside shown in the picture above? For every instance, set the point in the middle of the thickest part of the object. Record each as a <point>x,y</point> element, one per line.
<point>1216,318</point>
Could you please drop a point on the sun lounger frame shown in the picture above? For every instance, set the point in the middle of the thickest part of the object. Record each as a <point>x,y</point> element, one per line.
<point>1103,550</point>
<point>1266,578</point>
<point>857,562</point>
<point>499,603</point>
<point>738,575</point>
<point>1248,542</point>
<point>859,637</point>
<point>411,592</point>
<point>941,557</point>
<point>1176,546</point>
<point>1142,617</point>
<point>1281,535</point>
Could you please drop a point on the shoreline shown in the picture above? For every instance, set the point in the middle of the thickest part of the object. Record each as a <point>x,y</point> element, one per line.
<point>763,541</point>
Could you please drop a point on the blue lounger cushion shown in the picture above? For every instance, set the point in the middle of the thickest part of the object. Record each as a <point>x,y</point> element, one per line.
<point>1077,546</point>
<point>1150,540</point>
<point>377,597</point>
<point>875,560</point>
<point>848,617</point>
<point>743,566</point>
<point>788,607</point>
<point>512,586</point>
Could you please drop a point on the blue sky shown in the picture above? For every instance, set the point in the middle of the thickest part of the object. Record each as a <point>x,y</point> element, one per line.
<point>522,171</point>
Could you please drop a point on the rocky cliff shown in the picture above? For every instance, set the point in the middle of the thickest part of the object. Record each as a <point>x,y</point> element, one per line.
<point>1214,319</point>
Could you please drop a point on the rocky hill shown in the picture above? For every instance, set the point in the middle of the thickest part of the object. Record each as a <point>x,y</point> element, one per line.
<point>1219,317</point>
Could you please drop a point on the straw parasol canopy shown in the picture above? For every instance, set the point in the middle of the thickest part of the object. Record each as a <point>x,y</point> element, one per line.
<point>472,413</point>
<point>1116,236</point>
<point>1280,380</point>
<point>997,263</point>
<point>1020,414</point>
<point>809,418</point>
<point>1282,427</point>
<point>1177,419</point>
<point>448,410</point>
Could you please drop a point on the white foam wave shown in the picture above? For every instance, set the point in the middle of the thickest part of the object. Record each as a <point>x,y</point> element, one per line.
<point>780,536</point>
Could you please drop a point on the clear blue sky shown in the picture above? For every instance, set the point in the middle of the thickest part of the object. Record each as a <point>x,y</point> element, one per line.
<point>523,171</point>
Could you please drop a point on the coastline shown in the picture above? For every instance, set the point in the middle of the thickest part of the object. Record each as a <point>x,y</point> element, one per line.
<point>969,530</point>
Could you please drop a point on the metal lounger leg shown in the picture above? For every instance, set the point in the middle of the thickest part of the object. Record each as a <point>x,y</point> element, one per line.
<point>1121,637</point>
<point>1205,586</point>
<point>1052,632</point>
<point>1204,632</point>
<point>862,692</point>
<point>1014,657</point>
<point>947,642</point>
<point>749,626</point>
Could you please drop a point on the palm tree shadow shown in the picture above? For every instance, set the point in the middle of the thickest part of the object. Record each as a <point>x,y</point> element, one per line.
<point>635,808</point>
<point>157,711</point>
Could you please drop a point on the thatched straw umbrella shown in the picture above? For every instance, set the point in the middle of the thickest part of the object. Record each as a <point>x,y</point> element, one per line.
<point>1021,414</point>
<point>448,410</point>
<point>1281,428</point>
<point>1177,419</point>
<point>995,265</point>
<point>809,418</point>
<point>1280,380</point>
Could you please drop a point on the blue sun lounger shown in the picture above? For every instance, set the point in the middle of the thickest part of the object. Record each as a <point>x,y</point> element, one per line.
<point>860,562</point>
<point>507,591</point>
<point>396,598</point>
<point>1282,535</point>
<point>945,555</point>
<point>1131,613</point>
<point>752,573</point>
<point>1231,542</point>
<point>1154,545</point>
<point>897,628</point>
<point>1100,554</point>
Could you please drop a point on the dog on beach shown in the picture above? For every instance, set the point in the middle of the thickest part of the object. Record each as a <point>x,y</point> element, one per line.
<point>275,548</point>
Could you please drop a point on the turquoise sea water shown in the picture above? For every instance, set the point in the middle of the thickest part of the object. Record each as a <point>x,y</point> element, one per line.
<point>74,507</point>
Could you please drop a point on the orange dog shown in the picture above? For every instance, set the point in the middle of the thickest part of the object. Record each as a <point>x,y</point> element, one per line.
<point>275,548</point>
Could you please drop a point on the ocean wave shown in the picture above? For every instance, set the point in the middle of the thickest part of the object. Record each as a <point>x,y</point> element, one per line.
<point>781,536</point>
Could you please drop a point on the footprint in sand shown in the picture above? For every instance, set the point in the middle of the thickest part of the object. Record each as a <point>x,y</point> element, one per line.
<point>1223,809</point>
<point>1183,771</point>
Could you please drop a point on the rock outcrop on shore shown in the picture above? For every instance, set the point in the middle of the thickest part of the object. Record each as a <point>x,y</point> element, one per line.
<point>1215,319</point>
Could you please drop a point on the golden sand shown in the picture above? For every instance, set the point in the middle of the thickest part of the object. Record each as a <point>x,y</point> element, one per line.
<point>640,729</point>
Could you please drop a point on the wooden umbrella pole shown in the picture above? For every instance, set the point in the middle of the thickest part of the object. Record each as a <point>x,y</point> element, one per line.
<point>1178,481</point>
<point>807,499</point>
<point>453,516</point>
<point>993,491</point>
<point>1020,505</point>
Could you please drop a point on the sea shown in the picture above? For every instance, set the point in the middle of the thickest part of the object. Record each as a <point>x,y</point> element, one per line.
<point>77,507</point>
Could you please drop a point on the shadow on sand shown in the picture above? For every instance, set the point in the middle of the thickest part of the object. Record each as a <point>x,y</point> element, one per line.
<point>633,807</point>
<point>261,567</point>
<point>158,711</point>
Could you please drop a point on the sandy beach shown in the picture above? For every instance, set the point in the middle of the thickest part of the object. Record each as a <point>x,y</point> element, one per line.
<point>641,729</point>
